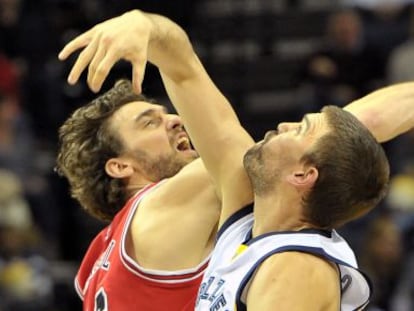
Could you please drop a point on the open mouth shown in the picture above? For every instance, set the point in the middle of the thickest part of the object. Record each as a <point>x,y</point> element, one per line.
<point>183,144</point>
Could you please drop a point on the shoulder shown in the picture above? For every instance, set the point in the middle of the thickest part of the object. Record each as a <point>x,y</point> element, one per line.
<point>281,277</point>
<point>297,266</point>
<point>190,194</point>
<point>192,178</point>
<point>294,259</point>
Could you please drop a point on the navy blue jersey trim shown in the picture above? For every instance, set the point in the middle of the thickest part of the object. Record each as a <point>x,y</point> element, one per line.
<point>240,306</point>
<point>233,218</point>
<point>325,233</point>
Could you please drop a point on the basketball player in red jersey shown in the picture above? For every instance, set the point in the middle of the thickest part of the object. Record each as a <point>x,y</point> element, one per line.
<point>123,150</point>
<point>146,257</point>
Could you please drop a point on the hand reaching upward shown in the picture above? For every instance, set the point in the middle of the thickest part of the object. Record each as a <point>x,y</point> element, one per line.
<point>123,37</point>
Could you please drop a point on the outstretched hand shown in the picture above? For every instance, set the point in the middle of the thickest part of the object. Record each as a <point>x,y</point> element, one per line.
<point>123,37</point>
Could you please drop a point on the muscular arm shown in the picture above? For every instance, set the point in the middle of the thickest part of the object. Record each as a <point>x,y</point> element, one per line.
<point>387,112</point>
<point>209,118</point>
<point>294,281</point>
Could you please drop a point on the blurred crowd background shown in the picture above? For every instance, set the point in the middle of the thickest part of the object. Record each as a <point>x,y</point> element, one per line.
<point>274,60</point>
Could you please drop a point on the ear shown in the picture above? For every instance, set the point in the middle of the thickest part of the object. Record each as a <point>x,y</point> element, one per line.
<point>118,168</point>
<point>305,178</point>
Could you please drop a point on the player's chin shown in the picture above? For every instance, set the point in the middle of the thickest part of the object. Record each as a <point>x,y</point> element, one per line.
<point>191,153</point>
<point>188,154</point>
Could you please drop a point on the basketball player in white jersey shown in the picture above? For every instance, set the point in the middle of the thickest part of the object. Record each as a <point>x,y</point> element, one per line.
<point>289,172</point>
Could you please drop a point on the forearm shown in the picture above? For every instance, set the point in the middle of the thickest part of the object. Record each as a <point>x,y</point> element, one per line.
<point>207,115</point>
<point>387,112</point>
<point>170,49</point>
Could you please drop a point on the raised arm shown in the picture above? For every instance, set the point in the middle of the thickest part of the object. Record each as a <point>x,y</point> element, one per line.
<point>209,118</point>
<point>387,112</point>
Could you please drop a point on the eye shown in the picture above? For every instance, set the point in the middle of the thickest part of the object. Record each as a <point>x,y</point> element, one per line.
<point>149,123</point>
<point>152,122</point>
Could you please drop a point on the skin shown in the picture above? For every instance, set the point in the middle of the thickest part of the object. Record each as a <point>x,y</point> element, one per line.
<point>281,153</point>
<point>151,137</point>
<point>142,128</point>
<point>282,276</point>
<point>210,121</point>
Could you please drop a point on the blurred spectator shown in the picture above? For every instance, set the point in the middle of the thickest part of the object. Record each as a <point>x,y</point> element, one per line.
<point>400,69</point>
<point>401,153</point>
<point>399,65</point>
<point>8,77</point>
<point>386,23</point>
<point>401,201</point>
<point>25,282</point>
<point>19,155</point>
<point>16,141</point>
<point>345,68</point>
<point>376,4</point>
<point>9,23</point>
<point>381,259</point>
<point>403,299</point>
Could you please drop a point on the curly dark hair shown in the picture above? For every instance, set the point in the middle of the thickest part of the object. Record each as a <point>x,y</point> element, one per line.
<point>86,142</point>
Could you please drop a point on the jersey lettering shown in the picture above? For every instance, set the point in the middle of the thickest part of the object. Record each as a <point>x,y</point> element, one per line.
<point>218,287</point>
<point>101,301</point>
<point>101,263</point>
<point>205,287</point>
<point>346,281</point>
<point>219,303</point>
<point>105,259</point>
<point>212,291</point>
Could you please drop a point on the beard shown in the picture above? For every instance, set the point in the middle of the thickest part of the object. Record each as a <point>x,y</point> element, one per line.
<point>164,166</point>
<point>262,177</point>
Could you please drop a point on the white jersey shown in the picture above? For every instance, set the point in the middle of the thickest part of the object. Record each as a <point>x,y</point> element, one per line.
<point>227,277</point>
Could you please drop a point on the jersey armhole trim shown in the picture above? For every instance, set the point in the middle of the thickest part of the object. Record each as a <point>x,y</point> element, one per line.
<point>78,288</point>
<point>248,209</point>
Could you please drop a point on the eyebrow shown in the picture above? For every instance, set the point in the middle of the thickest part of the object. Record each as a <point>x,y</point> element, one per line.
<point>150,112</point>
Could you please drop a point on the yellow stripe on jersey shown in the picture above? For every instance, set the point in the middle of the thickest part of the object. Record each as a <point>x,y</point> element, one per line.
<point>240,250</point>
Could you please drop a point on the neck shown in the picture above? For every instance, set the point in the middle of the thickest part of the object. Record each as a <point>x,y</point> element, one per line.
<point>134,187</point>
<point>278,213</point>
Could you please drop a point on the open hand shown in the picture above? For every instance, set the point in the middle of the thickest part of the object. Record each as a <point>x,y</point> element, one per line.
<point>123,37</point>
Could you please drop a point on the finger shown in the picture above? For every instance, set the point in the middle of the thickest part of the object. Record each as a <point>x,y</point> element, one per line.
<point>75,44</point>
<point>102,71</point>
<point>94,65</point>
<point>82,62</point>
<point>138,72</point>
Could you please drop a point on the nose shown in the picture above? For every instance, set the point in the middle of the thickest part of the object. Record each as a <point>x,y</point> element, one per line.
<point>285,126</point>
<point>174,122</point>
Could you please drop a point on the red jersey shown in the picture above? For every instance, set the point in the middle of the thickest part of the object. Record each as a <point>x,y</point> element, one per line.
<point>110,280</point>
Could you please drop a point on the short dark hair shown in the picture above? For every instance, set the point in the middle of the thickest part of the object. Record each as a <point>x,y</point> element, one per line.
<point>353,172</point>
<point>86,143</point>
